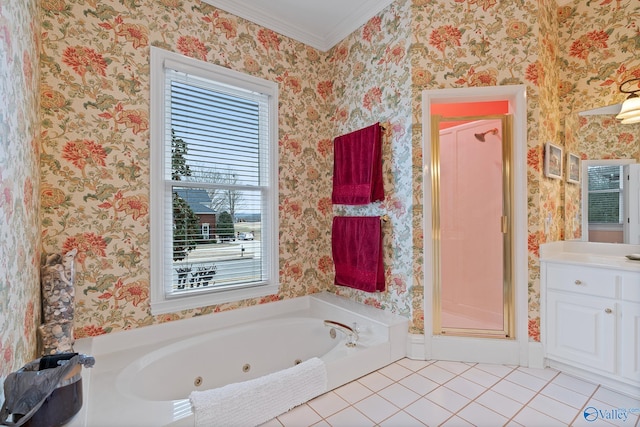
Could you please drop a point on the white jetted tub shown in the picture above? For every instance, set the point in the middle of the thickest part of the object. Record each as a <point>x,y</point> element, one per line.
<point>143,377</point>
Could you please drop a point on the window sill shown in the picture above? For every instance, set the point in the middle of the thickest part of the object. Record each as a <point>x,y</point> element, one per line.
<point>210,297</point>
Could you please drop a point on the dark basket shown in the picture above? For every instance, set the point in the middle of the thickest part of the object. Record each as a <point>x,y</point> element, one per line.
<point>61,405</point>
<point>46,392</point>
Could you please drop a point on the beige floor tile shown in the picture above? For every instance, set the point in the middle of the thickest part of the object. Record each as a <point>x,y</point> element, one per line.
<point>353,392</point>
<point>375,381</point>
<point>301,415</point>
<point>513,391</point>
<point>328,404</point>
<point>480,415</point>
<point>529,381</point>
<point>554,408</point>
<point>436,374</point>
<point>411,393</point>
<point>500,403</point>
<point>564,395</point>
<point>377,408</point>
<point>395,371</point>
<point>480,377</point>
<point>399,395</point>
<point>402,419</point>
<point>350,417</point>
<point>467,388</point>
<point>419,384</point>
<point>428,412</point>
<point>448,399</point>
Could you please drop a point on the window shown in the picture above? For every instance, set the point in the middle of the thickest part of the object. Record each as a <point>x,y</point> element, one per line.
<point>213,180</point>
<point>605,194</point>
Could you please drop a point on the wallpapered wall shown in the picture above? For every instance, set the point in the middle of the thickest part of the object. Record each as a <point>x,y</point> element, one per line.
<point>19,182</point>
<point>470,43</point>
<point>95,124</point>
<point>372,78</point>
<point>95,155</point>
<point>599,51</point>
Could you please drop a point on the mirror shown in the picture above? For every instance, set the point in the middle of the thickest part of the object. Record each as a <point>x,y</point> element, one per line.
<point>598,139</point>
<point>605,200</point>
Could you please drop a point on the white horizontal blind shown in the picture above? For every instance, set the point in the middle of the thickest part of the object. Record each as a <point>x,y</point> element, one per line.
<point>216,163</point>
<point>605,194</point>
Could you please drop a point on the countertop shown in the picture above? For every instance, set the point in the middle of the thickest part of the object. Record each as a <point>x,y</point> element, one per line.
<point>588,254</point>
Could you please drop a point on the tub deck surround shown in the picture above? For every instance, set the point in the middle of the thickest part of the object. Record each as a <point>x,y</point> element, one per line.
<point>144,376</point>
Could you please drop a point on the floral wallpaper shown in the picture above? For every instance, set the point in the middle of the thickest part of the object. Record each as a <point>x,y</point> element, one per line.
<point>90,87</point>
<point>544,194</point>
<point>95,147</point>
<point>19,181</point>
<point>599,51</point>
<point>371,77</point>
<point>471,43</point>
<point>604,137</point>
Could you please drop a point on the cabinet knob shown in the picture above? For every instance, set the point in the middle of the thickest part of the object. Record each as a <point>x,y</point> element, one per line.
<point>608,310</point>
<point>578,282</point>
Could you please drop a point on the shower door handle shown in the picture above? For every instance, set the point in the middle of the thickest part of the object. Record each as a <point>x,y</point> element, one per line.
<point>504,224</point>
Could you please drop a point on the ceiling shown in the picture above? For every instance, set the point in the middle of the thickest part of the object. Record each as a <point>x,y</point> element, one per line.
<point>318,23</point>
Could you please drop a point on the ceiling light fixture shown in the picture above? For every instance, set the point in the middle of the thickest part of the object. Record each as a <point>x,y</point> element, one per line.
<point>630,112</point>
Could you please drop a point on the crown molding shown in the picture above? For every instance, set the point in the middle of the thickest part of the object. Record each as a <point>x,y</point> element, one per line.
<point>321,25</point>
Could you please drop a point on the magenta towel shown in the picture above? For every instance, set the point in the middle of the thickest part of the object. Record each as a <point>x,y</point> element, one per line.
<point>356,244</point>
<point>357,167</point>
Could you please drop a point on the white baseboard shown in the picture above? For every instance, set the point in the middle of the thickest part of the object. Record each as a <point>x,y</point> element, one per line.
<point>611,382</point>
<point>416,350</point>
<point>415,347</point>
<point>536,355</point>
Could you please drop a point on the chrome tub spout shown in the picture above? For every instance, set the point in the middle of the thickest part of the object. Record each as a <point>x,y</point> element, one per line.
<point>351,333</point>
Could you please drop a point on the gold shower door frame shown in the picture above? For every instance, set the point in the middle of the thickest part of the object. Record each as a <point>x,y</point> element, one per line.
<point>508,331</point>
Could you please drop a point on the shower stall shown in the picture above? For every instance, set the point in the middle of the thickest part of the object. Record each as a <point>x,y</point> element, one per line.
<point>473,296</point>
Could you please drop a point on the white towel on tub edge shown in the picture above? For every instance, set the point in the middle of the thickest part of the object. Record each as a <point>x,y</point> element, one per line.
<point>254,402</point>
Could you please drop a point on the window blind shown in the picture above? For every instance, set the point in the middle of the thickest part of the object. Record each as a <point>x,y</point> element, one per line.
<point>217,172</point>
<point>605,194</point>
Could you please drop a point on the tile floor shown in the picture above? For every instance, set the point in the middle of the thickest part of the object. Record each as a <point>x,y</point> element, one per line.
<point>438,393</point>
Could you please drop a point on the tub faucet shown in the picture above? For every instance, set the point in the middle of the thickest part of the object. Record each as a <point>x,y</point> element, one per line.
<point>351,333</point>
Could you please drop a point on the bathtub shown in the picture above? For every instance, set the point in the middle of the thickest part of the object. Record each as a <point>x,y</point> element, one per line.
<point>143,377</point>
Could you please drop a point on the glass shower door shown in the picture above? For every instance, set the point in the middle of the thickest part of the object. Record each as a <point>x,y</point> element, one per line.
<point>473,194</point>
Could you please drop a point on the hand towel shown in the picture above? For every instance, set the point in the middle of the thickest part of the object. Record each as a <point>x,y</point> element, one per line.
<point>357,167</point>
<point>356,244</point>
<point>254,402</point>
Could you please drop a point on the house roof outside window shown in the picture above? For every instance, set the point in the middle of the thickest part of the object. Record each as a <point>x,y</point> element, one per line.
<point>197,199</point>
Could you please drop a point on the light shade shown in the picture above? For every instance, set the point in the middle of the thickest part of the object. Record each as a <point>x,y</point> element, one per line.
<point>630,108</point>
<point>632,119</point>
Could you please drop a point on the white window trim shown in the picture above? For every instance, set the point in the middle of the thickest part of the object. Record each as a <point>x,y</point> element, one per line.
<point>585,225</point>
<point>160,301</point>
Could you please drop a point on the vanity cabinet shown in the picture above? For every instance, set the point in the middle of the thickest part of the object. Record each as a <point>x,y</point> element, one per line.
<point>590,319</point>
<point>630,336</point>
<point>581,315</point>
<point>582,330</point>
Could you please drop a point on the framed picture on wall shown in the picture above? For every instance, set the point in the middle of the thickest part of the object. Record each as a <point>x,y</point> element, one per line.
<point>573,168</point>
<point>553,161</point>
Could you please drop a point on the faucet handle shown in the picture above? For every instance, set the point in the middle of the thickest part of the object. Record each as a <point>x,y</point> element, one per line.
<point>355,327</point>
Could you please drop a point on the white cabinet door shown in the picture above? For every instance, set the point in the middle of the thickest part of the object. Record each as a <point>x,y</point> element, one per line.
<point>582,330</point>
<point>630,340</point>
